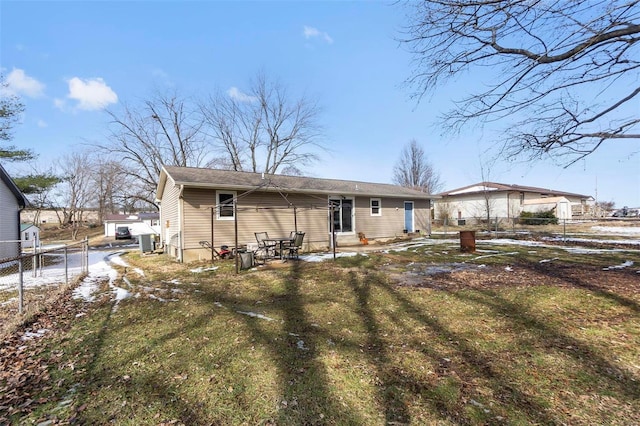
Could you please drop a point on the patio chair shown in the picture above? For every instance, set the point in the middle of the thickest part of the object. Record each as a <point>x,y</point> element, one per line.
<point>295,247</point>
<point>266,249</point>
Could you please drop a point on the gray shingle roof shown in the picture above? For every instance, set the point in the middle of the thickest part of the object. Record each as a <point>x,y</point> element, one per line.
<point>225,179</point>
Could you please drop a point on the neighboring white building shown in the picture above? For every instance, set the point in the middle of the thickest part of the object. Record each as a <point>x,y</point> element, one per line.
<point>29,235</point>
<point>138,224</point>
<point>496,200</point>
<point>11,202</point>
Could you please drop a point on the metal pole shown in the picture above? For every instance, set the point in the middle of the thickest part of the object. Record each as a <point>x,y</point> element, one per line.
<point>333,231</point>
<point>66,266</point>
<point>212,218</point>
<point>564,230</point>
<point>20,288</point>
<point>34,261</point>
<point>235,230</point>
<point>86,257</point>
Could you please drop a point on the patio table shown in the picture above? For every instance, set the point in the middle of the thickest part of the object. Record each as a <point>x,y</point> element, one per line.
<point>280,241</point>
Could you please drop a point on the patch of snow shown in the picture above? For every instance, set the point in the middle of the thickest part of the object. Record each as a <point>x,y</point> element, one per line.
<point>254,315</point>
<point>621,266</point>
<point>29,335</point>
<point>513,253</point>
<point>327,256</point>
<point>620,230</point>
<point>203,269</point>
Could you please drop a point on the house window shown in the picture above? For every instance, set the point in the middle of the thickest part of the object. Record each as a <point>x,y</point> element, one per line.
<point>26,236</point>
<point>225,205</point>
<point>376,209</point>
<point>342,214</point>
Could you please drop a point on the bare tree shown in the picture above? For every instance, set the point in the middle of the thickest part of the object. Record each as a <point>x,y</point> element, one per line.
<point>564,73</point>
<point>413,170</point>
<point>265,130</point>
<point>112,184</point>
<point>76,191</point>
<point>163,130</point>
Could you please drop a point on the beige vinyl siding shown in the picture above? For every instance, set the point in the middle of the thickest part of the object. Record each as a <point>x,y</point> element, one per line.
<point>391,222</point>
<point>256,212</point>
<point>170,218</point>
<point>270,212</point>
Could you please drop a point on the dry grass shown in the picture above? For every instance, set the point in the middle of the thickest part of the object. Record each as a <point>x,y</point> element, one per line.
<point>509,337</point>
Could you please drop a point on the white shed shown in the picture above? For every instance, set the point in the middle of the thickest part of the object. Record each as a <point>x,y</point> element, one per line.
<point>561,206</point>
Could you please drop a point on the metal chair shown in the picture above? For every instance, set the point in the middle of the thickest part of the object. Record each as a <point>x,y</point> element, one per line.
<point>295,247</point>
<point>266,249</point>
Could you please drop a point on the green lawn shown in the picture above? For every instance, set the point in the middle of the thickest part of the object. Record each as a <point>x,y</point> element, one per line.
<point>515,335</point>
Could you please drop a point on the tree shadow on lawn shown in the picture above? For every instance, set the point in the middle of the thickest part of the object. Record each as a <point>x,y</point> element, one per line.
<point>602,283</point>
<point>605,373</point>
<point>551,339</point>
<point>482,365</point>
<point>163,394</point>
<point>306,396</point>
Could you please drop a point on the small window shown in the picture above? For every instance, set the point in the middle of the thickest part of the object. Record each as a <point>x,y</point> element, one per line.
<point>225,205</point>
<point>376,207</point>
<point>26,236</point>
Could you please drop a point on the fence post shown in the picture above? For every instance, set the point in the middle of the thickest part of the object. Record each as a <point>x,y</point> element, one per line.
<point>20,287</point>
<point>66,266</point>
<point>85,257</point>
<point>34,261</point>
<point>564,231</point>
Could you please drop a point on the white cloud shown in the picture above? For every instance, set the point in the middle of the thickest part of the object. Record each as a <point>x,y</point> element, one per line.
<point>91,94</point>
<point>238,95</point>
<point>59,103</point>
<point>311,32</point>
<point>42,124</point>
<point>19,83</point>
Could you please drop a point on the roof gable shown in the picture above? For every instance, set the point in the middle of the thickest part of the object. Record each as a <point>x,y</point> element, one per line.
<point>232,180</point>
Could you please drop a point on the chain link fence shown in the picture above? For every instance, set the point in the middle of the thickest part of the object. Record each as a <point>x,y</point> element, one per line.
<point>37,274</point>
<point>539,227</point>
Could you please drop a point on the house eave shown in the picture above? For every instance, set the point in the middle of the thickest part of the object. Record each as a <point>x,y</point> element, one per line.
<point>303,191</point>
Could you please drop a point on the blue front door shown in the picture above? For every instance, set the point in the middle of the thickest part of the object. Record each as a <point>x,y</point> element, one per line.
<point>408,216</point>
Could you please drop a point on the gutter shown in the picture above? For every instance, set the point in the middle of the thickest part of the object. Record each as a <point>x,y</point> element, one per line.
<point>181,224</point>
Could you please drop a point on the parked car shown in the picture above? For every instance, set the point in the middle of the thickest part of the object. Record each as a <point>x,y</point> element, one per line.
<point>123,233</point>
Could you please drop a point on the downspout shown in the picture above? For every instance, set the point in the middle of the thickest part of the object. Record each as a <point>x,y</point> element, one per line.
<point>180,224</point>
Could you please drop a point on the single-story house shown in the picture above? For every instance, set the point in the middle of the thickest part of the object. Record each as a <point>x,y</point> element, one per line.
<point>12,201</point>
<point>138,223</point>
<point>29,235</point>
<point>201,206</point>
<point>493,200</point>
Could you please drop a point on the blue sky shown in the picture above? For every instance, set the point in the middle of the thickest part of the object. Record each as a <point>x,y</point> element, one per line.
<point>69,60</point>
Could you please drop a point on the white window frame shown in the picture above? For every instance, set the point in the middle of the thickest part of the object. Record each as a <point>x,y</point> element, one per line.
<point>218,205</point>
<point>353,214</point>
<point>379,206</point>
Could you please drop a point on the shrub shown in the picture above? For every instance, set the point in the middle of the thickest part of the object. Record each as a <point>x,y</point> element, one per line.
<point>547,217</point>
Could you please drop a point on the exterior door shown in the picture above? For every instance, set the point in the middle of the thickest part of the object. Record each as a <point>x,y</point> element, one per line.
<point>408,216</point>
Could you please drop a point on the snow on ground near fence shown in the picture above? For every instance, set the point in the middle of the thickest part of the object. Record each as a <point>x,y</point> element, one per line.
<point>100,263</point>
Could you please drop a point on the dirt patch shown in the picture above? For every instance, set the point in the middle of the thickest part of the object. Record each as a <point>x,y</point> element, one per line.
<point>452,277</point>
